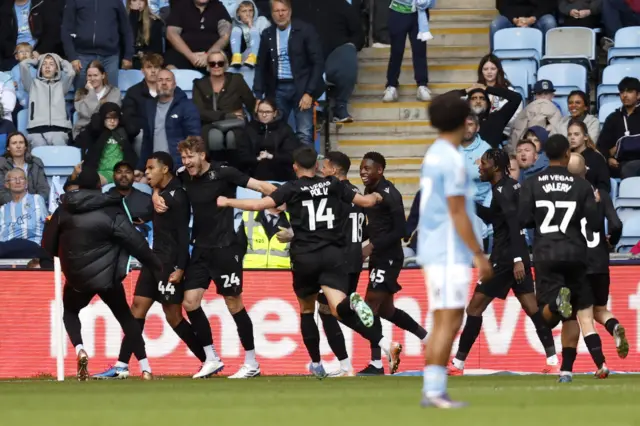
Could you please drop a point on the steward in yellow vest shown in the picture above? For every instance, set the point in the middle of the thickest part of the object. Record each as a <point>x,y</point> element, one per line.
<point>264,251</point>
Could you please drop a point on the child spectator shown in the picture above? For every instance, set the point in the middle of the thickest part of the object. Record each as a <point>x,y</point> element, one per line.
<point>23,52</point>
<point>147,30</point>
<point>49,122</point>
<point>247,25</point>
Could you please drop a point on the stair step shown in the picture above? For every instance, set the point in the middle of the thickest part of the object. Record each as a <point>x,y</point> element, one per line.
<point>392,111</point>
<point>471,34</point>
<point>433,52</point>
<point>418,127</point>
<point>394,164</point>
<point>465,4</point>
<point>371,89</point>
<point>462,15</point>
<point>396,146</point>
<point>441,73</point>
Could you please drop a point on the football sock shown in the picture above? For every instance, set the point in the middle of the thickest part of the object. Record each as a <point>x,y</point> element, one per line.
<point>188,336</point>
<point>126,348</point>
<point>377,363</point>
<point>210,353</point>
<point>610,325</point>
<point>72,325</point>
<point>404,321</point>
<point>470,333</point>
<point>544,334</point>
<point>201,326</point>
<point>372,334</point>
<point>335,338</point>
<point>568,358</point>
<point>376,353</point>
<point>245,329</point>
<point>344,309</point>
<point>310,336</point>
<point>79,348</point>
<point>345,364</point>
<point>435,381</point>
<point>594,345</point>
<point>121,364</point>
<point>144,365</point>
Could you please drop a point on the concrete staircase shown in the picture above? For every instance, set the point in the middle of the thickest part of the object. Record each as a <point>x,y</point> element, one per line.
<point>401,131</point>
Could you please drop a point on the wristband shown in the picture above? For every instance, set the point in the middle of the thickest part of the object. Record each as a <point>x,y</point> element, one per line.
<point>517,259</point>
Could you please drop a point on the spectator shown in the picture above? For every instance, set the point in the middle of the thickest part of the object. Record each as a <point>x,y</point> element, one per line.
<point>580,13</point>
<point>581,143</point>
<point>267,151</point>
<point>171,117</point>
<point>107,140</point>
<point>97,31</point>
<point>18,155</point>
<point>24,52</point>
<point>139,203</point>
<point>35,22</point>
<point>578,102</point>
<point>514,168</point>
<point>538,14</point>
<point>618,14</point>
<point>290,68</point>
<point>97,91</point>
<point>403,23</point>
<point>195,29</point>
<point>21,219</point>
<point>341,35</point>
<point>247,27</point>
<point>620,136</point>
<point>221,98</point>
<point>541,112</point>
<point>8,98</point>
<point>49,122</point>
<point>527,159</point>
<point>160,8</point>
<point>147,30</point>
<point>472,149</point>
<point>381,36</point>
<point>491,74</point>
<point>539,136</point>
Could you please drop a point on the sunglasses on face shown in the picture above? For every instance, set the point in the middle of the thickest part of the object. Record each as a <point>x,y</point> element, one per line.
<point>216,64</point>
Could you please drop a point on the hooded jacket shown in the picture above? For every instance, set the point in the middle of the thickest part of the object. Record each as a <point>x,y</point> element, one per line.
<point>93,237</point>
<point>259,22</point>
<point>47,107</point>
<point>472,154</point>
<point>89,104</point>
<point>541,112</point>
<point>591,121</point>
<point>36,179</point>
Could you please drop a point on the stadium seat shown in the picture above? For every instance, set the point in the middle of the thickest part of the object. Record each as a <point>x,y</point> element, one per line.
<point>521,45</point>
<point>630,233</point>
<point>626,46</point>
<point>570,45</point>
<point>611,76</point>
<point>23,120</point>
<point>128,78</point>
<point>518,77</point>
<point>606,110</point>
<point>143,187</point>
<point>565,77</point>
<point>3,142</point>
<point>614,189</point>
<point>74,118</point>
<point>184,80</point>
<point>563,103</point>
<point>628,193</point>
<point>106,188</point>
<point>58,160</point>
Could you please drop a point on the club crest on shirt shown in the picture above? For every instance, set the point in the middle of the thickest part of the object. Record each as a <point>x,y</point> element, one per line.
<point>211,175</point>
<point>387,190</point>
<point>499,189</point>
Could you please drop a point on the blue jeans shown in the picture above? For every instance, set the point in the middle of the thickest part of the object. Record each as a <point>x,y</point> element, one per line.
<point>111,66</point>
<point>287,101</point>
<point>544,24</point>
<point>252,46</point>
<point>617,14</point>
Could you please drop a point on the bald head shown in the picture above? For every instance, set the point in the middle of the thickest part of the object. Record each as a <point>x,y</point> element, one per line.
<point>576,165</point>
<point>166,85</point>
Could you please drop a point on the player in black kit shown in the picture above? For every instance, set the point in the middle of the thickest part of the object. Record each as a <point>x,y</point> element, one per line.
<point>386,228</point>
<point>315,205</point>
<point>171,245</point>
<point>216,254</point>
<point>554,202</point>
<point>510,259</point>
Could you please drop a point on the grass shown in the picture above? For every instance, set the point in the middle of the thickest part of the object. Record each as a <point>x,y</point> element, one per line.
<point>304,401</point>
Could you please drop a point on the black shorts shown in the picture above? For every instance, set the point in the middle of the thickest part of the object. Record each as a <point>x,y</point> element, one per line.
<point>324,267</point>
<point>383,275</point>
<point>551,276</point>
<point>161,291</point>
<point>352,287</point>
<point>222,265</point>
<point>503,280</point>
<point>599,284</point>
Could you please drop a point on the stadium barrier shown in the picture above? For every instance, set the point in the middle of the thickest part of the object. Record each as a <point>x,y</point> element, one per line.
<point>508,341</point>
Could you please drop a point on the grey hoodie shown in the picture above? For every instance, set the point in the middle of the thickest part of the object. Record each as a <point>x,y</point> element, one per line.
<point>259,22</point>
<point>47,97</point>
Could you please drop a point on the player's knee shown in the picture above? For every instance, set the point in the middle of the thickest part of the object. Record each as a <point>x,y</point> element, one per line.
<point>234,304</point>
<point>191,303</point>
<point>307,306</point>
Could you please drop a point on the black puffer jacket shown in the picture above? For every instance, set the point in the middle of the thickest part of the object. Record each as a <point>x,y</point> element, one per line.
<point>93,237</point>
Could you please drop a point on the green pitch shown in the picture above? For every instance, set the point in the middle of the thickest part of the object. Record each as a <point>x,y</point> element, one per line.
<point>305,401</point>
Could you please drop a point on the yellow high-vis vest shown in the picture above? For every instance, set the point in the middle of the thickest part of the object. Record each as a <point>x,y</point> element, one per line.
<point>263,253</point>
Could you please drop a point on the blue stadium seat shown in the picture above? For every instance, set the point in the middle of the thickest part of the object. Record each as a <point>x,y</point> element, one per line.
<point>565,77</point>
<point>244,194</point>
<point>58,160</point>
<point>143,187</point>
<point>23,120</point>
<point>630,233</point>
<point>611,76</point>
<point>626,46</point>
<point>570,45</point>
<point>128,78</point>
<point>518,77</point>
<point>614,189</point>
<point>628,193</point>
<point>522,45</point>
<point>563,103</point>
<point>184,80</point>
<point>606,110</point>
<point>108,187</point>
<point>3,142</point>
<point>74,118</point>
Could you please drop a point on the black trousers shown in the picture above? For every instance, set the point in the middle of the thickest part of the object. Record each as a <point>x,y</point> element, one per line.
<point>116,299</point>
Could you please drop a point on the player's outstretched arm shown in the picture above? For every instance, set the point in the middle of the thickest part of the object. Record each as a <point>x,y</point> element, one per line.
<point>262,187</point>
<point>526,207</point>
<point>367,201</point>
<point>251,205</point>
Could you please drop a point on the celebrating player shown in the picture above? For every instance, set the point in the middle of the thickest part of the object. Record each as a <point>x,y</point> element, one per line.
<point>555,203</point>
<point>447,243</point>
<point>171,245</point>
<point>317,252</point>
<point>216,254</point>
<point>386,228</point>
<point>510,259</point>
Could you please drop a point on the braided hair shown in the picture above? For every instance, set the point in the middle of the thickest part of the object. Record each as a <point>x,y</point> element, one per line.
<point>500,159</point>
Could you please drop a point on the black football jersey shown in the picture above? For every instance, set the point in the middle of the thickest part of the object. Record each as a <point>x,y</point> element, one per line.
<point>353,231</point>
<point>386,222</point>
<point>171,228</point>
<point>316,208</point>
<point>598,249</point>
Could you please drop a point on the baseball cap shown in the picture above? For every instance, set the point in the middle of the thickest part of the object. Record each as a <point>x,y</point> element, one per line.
<point>543,86</point>
<point>123,163</point>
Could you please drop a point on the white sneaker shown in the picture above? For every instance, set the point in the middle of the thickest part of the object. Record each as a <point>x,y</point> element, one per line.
<point>390,94</point>
<point>381,46</point>
<point>246,372</point>
<point>424,94</point>
<point>342,373</point>
<point>209,368</point>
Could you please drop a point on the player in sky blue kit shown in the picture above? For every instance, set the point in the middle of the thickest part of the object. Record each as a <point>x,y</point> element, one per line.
<point>447,244</point>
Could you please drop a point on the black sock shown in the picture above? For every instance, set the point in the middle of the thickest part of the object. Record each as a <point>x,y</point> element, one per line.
<point>544,333</point>
<point>376,352</point>
<point>245,329</point>
<point>372,334</point>
<point>470,333</point>
<point>335,338</point>
<point>188,336</point>
<point>200,324</point>
<point>73,327</point>
<point>404,321</point>
<point>344,309</point>
<point>568,358</point>
<point>310,336</point>
<point>594,344</point>
<point>610,325</point>
<point>126,348</point>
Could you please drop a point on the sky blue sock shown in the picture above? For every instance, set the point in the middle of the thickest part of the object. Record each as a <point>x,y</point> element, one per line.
<point>435,381</point>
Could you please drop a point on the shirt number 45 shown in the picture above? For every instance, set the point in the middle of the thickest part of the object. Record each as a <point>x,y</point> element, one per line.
<point>377,276</point>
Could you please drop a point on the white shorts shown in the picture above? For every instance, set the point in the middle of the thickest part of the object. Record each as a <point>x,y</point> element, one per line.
<point>447,286</point>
